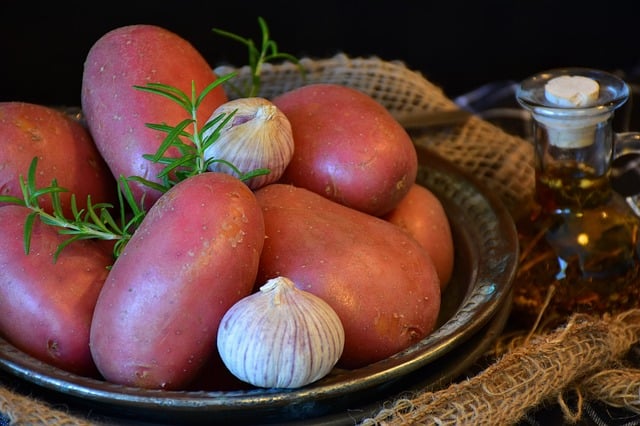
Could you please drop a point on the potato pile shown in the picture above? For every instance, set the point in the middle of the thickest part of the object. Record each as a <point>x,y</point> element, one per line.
<point>346,222</point>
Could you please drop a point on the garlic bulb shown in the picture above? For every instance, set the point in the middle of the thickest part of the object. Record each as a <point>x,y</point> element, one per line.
<point>280,337</point>
<point>257,136</point>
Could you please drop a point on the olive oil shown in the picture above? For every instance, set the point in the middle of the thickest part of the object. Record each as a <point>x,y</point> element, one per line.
<point>582,239</point>
<point>579,246</point>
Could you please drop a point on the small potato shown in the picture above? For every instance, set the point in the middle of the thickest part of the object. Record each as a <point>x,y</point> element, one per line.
<point>65,151</point>
<point>421,214</point>
<point>347,148</point>
<point>117,113</point>
<point>46,307</point>
<point>194,255</point>
<point>382,284</point>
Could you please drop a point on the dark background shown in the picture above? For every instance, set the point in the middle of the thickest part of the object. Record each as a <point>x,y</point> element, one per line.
<point>458,45</point>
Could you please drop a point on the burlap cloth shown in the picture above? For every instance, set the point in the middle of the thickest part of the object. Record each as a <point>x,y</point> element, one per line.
<point>586,355</point>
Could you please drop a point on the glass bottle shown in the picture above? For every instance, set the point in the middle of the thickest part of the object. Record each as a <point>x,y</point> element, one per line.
<point>578,247</point>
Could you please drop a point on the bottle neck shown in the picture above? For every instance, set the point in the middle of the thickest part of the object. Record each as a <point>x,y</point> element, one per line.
<point>582,143</point>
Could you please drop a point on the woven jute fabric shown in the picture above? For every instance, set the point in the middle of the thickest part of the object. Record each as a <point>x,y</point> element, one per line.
<point>503,163</point>
<point>23,410</point>
<point>576,357</point>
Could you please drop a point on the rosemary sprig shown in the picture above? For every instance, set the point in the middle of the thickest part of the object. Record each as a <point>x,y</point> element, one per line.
<point>258,57</point>
<point>93,222</point>
<point>192,159</point>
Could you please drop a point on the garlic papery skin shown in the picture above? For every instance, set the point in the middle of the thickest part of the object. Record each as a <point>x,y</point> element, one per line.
<point>258,136</point>
<point>280,337</point>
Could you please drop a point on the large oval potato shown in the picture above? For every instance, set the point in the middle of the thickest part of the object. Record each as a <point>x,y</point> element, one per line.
<point>65,151</point>
<point>348,147</point>
<point>422,215</point>
<point>117,113</point>
<point>46,307</point>
<point>382,284</point>
<point>194,255</point>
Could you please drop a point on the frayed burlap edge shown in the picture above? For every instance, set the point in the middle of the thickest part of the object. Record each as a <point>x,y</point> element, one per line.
<point>577,357</point>
<point>618,387</point>
<point>22,410</point>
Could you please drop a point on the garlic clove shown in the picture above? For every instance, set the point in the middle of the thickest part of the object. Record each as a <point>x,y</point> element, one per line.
<point>280,337</point>
<point>258,136</point>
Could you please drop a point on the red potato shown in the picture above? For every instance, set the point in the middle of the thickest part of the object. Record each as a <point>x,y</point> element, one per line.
<point>421,214</point>
<point>65,151</point>
<point>47,306</point>
<point>194,255</point>
<point>117,113</point>
<point>348,148</point>
<point>382,284</point>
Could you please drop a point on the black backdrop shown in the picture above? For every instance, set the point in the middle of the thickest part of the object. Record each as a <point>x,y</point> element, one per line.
<point>456,44</point>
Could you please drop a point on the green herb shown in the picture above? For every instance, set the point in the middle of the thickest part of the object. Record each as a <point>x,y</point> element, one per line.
<point>94,222</point>
<point>192,159</point>
<point>258,57</point>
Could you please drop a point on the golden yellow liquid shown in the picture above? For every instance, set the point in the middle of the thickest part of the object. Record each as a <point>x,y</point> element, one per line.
<point>581,240</point>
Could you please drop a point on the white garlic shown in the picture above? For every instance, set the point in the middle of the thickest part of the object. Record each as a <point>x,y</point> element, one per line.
<point>257,136</point>
<point>280,337</point>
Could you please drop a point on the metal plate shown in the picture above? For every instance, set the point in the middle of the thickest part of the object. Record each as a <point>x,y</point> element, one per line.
<point>485,264</point>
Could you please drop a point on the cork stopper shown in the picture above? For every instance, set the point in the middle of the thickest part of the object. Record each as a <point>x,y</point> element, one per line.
<point>570,91</point>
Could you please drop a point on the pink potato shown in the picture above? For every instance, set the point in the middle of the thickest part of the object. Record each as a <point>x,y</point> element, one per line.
<point>382,284</point>
<point>348,148</point>
<point>46,307</point>
<point>65,151</point>
<point>194,255</point>
<point>117,113</point>
<point>421,214</point>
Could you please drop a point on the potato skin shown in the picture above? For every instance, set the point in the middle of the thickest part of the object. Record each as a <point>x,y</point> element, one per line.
<point>65,150</point>
<point>380,281</point>
<point>47,307</point>
<point>117,113</point>
<point>194,255</point>
<point>348,147</point>
<point>421,214</point>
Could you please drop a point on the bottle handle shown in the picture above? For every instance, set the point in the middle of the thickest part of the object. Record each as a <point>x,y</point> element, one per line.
<point>626,168</point>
